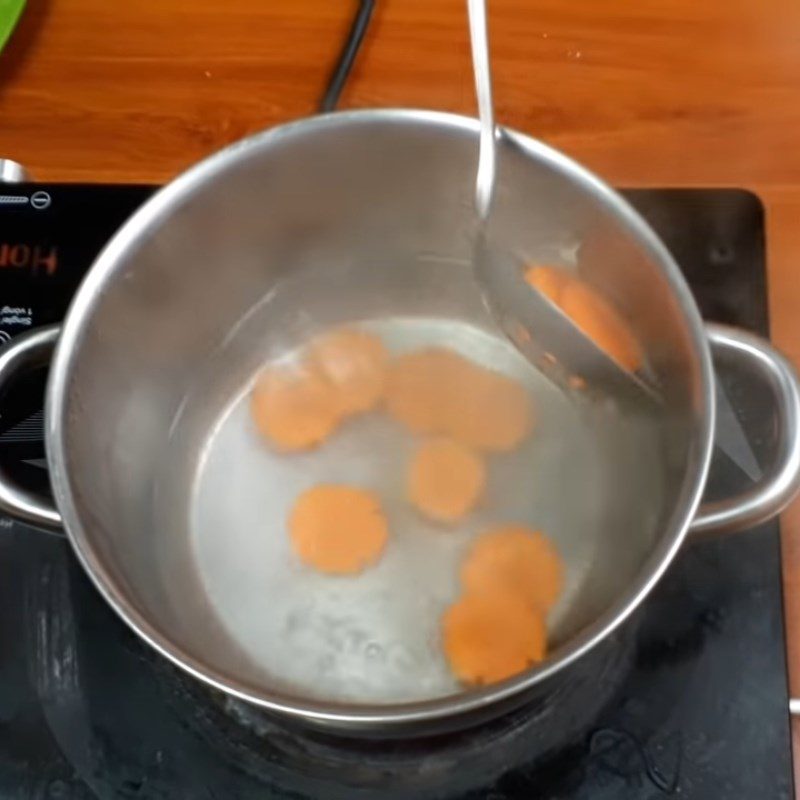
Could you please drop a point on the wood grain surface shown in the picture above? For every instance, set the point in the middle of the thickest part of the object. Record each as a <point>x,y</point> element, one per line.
<point>667,92</point>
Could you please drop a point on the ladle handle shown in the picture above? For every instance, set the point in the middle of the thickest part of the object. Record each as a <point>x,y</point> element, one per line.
<point>780,481</point>
<point>487,158</point>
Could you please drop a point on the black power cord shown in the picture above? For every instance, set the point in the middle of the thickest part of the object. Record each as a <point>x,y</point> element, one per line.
<point>348,55</point>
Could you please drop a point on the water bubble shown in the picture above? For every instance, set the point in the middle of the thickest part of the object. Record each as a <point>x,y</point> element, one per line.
<point>374,651</point>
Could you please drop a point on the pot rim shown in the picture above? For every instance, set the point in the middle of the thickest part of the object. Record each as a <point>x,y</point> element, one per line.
<point>353,715</point>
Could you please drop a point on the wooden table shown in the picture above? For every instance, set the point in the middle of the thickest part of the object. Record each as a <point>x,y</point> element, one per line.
<point>663,93</point>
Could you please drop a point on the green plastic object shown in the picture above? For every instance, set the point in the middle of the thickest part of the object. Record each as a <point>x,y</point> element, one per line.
<point>9,14</point>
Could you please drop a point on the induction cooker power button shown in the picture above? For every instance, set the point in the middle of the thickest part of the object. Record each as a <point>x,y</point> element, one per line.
<point>40,200</point>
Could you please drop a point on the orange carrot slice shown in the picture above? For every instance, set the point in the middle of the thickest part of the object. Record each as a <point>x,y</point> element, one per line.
<point>490,636</point>
<point>590,311</point>
<point>338,529</point>
<point>419,388</point>
<point>602,323</point>
<point>355,362</point>
<point>438,391</point>
<point>515,559</point>
<point>445,480</point>
<point>294,407</point>
<point>487,410</point>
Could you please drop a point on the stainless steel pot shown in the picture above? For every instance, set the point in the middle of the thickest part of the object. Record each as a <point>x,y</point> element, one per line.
<point>367,217</point>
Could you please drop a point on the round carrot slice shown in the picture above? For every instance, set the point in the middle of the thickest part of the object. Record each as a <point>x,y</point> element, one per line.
<point>438,391</point>
<point>445,480</point>
<point>338,529</point>
<point>490,636</point>
<point>489,411</point>
<point>595,316</point>
<point>419,388</point>
<point>550,281</point>
<point>515,559</point>
<point>355,363</point>
<point>590,312</point>
<point>295,407</point>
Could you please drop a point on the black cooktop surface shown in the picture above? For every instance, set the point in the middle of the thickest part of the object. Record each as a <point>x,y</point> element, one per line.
<point>688,700</point>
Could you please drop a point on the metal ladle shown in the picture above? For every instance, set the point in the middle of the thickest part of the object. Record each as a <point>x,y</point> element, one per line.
<point>543,333</point>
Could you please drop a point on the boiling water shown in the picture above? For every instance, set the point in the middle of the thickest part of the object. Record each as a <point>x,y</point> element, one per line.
<point>376,636</point>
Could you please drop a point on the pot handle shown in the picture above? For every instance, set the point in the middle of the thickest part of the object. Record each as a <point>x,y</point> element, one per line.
<point>29,350</point>
<point>781,481</point>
